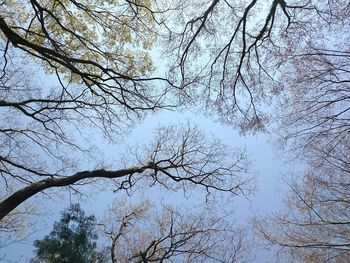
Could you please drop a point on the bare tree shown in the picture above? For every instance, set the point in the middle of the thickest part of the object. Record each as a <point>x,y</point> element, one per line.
<point>311,59</point>
<point>234,56</point>
<point>185,157</point>
<point>103,46</point>
<point>231,45</point>
<point>99,54</point>
<point>227,53</point>
<point>315,226</point>
<point>140,233</point>
<point>314,123</point>
<point>222,52</point>
<point>314,108</point>
<point>18,225</point>
<point>237,56</point>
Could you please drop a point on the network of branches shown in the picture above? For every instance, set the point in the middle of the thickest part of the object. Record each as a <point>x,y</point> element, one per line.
<point>71,68</point>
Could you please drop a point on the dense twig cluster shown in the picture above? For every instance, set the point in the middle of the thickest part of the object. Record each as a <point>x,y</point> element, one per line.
<point>170,235</point>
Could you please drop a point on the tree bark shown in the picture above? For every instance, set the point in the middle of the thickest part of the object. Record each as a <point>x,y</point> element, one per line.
<point>14,200</point>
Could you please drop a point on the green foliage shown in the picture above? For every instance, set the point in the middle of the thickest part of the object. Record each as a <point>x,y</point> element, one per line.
<point>114,34</point>
<point>73,239</point>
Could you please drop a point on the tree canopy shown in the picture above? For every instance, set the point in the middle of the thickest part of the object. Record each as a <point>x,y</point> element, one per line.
<point>73,239</point>
<point>71,69</point>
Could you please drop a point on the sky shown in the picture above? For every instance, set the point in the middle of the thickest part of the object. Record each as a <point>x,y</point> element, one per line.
<point>267,169</point>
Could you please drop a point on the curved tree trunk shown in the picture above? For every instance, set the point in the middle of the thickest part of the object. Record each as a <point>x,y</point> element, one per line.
<point>14,200</point>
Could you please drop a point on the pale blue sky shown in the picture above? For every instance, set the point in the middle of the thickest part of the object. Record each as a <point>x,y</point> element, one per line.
<point>267,169</point>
